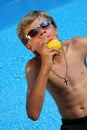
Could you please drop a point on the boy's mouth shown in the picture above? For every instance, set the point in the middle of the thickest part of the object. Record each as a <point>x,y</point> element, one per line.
<point>49,38</point>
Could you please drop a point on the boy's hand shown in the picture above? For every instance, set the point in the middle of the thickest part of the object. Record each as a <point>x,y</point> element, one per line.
<point>47,56</point>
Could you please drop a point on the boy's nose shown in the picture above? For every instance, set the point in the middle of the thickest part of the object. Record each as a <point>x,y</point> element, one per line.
<point>41,32</point>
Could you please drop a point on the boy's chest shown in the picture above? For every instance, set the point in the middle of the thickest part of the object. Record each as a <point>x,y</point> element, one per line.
<point>74,71</point>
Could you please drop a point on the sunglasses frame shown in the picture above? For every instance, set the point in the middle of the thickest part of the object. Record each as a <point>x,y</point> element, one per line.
<point>36,28</point>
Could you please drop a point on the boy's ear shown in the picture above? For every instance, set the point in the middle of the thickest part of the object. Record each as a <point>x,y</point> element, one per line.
<point>30,48</point>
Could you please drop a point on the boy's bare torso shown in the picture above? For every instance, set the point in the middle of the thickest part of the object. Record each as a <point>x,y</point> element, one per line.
<point>71,99</point>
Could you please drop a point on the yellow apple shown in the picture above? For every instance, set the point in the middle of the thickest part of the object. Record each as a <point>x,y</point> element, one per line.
<point>54,43</point>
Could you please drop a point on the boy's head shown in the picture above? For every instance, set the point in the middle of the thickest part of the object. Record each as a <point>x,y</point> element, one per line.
<point>27,20</point>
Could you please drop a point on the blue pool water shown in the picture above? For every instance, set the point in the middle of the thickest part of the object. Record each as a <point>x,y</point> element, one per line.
<point>71,18</point>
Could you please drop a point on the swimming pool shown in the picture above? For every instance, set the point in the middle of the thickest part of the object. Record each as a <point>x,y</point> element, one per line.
<point>71,18</point>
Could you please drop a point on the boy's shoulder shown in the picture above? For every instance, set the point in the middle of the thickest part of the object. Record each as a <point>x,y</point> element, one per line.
<point>33,61</point>
<point>32,68</point>
<point>33,64</point>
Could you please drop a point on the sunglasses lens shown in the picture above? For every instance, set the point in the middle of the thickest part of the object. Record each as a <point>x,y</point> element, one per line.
<point>45,24</point>
<point>33,32</point>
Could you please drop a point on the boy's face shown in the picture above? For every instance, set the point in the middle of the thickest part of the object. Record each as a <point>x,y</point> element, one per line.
<point>43,32</point>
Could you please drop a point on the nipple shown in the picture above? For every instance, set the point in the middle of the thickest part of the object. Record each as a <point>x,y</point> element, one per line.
<point>54,43</point>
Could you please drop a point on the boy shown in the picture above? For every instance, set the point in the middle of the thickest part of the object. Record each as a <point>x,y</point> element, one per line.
<point>61,71</point>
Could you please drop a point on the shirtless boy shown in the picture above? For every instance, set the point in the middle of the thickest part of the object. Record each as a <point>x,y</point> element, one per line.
<point>61,71</point>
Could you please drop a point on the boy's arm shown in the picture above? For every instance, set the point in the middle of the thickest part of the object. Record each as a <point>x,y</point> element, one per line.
<point>37,81</point>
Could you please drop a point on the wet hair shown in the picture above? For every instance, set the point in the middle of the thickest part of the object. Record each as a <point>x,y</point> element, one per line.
<point>28,19</point>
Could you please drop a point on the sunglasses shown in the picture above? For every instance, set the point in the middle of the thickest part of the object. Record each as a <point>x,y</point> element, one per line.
<point>32,33</point>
